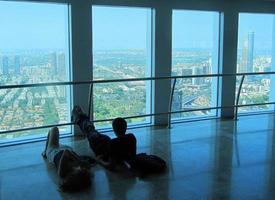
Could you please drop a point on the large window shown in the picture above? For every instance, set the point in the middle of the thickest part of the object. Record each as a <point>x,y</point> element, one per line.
<point>121,49</point>
<point>34,48</point>
<point>195,45</point>
<point>255,53</point>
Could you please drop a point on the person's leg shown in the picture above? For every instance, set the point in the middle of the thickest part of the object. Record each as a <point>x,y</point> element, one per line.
<point>83,121</point>
<point>99,143</point>
<point>52,141</point>
<point>53,137</point>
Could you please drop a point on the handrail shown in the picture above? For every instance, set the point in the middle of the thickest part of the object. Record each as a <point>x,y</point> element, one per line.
<point>91,82</point>
<point>127,80</point>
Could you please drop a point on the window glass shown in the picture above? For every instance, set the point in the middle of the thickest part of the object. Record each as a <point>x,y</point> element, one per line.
<point>255,52</point>
<point>33,50</point>
<point>121,50</point>
<point>195,52</point>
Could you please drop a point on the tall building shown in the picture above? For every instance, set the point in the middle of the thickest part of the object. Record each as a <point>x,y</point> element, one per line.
<point>197,71</point>
<point>61,66</point>
<point>53,62</point>
<point>186,72</point>
<point>17,65</point>
<point>206,68</point>
<point>177,103</point>
<point>250,51</point>
<point>5,65</point>
<point>246,64</point>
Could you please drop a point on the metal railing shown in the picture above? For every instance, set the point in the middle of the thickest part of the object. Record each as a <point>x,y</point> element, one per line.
<point>92,82</point>
<point>238,97</point>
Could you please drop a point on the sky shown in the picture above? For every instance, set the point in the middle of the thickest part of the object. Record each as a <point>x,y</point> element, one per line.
<point>261,25</point>
<point>26,25</point>
<point>33,25</point>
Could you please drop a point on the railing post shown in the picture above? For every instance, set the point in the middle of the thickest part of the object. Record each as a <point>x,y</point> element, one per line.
<point>90,100</point>
<point>170,102</point>
<point>238,98</point>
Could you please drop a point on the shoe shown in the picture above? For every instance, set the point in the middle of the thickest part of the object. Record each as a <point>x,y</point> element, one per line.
<point>43,154</point>
<point>77,114</point>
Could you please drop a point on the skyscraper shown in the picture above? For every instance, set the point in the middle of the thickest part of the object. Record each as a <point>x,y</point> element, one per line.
<point>61,67</point>
<point>197,71</point>
<point>186,72</point>
<point>246,64</point>
<point>17,65</point>
<point>250,51</point>
<point>5,65</point>
<point>53,62</point>
<point>177,103</point>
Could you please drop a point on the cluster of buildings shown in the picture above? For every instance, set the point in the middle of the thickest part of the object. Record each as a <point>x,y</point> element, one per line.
<point>6,65</point>
<point>12,64</point>
<point>19,105</point>
<point>190,92</point>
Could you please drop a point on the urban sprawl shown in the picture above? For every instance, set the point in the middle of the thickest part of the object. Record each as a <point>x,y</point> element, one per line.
<point>39,106</point>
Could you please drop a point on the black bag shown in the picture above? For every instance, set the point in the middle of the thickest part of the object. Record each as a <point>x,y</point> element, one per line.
<point>144,164</point>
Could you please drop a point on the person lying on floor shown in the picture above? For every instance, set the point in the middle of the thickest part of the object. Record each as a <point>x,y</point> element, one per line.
<point>110,152</point>
<point>72,171</point>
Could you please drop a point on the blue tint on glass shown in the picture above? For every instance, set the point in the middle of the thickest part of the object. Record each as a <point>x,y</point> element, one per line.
<point>32,25</point>
<point>261,25</point>
<point>193,29</point>
<point>127,30</point>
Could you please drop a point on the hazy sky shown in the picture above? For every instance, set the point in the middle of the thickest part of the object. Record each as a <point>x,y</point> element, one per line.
<point>261,25</point>
<point>38,26</point>
<point>32,25</point>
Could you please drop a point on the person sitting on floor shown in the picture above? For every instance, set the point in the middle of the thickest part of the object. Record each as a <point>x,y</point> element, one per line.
<point>110,152</point>
<point>74,173</point>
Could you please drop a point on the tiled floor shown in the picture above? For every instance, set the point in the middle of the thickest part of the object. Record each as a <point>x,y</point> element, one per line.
<point>207,160</point>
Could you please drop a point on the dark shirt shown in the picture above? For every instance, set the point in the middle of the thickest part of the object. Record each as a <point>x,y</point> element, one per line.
<point>123,148</point>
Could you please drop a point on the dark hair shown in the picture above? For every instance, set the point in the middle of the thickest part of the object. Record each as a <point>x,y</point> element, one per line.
<point>119,126</point>
<point>77,179</point>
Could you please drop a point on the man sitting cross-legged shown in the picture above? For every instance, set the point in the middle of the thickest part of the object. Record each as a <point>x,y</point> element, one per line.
<point>109,152</point>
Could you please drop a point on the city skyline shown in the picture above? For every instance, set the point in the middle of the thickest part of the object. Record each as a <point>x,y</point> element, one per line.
<point>30,107</point>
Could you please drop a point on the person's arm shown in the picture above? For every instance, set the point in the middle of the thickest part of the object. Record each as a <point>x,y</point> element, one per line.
<point>110,164</point>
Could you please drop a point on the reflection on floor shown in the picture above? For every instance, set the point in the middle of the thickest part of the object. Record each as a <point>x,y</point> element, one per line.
<point>207,160</point>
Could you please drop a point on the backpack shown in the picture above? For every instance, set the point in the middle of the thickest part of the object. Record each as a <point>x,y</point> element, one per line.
<point>144,164</point>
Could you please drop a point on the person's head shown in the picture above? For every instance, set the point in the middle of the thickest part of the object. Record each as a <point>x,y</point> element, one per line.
<point>78,179</point>
<point>119,126</point>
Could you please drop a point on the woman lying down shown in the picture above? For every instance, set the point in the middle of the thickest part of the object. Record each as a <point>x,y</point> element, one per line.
<point>73,171</point>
